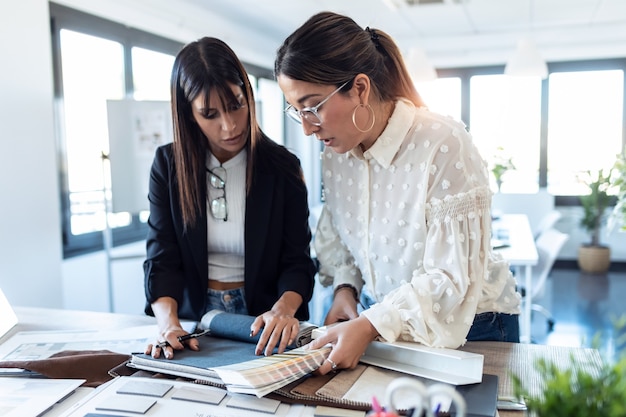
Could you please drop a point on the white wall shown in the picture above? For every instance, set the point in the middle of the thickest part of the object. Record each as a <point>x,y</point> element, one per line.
<point>30,232</point>
<point>88,284</point>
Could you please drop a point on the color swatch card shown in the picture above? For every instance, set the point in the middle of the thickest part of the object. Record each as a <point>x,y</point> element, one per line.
<point>129,396</point>
<point>205,395</point>
<point>149,389</point>
<point>249,402</point>
<point>127,404</point>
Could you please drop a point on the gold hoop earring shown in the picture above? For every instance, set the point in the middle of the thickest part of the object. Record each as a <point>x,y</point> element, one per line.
<point>369,108</point>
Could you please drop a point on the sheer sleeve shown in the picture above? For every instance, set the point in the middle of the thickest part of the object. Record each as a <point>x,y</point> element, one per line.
<point>437,305</point>
<point>337,265</point>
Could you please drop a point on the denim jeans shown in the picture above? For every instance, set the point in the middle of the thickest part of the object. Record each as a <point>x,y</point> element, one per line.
<point>498,327</point>
<point>230,301</point>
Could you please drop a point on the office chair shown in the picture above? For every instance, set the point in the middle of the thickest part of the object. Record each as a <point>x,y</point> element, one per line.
<point>547,222</point>
<point>549,244</point>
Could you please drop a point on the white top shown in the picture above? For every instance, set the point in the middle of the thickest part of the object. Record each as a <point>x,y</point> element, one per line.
<point>226,238</point>
<point>410,218</point>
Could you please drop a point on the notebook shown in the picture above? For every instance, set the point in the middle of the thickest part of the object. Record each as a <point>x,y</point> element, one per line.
<point>355,388</point>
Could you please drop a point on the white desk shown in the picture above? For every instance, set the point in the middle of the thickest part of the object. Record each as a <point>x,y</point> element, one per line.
<point>500,358</point>
<point>521,254</point>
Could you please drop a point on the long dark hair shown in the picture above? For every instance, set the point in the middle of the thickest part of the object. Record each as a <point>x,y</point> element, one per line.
<point>330,48</point>
<point>205,66</point>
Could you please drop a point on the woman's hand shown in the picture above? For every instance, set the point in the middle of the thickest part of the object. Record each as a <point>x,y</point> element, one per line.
<point>278,329</point>
<point>279,325</point>
<point>170,329</point>
<point>343,308</point>
<point>171,335</point>
<point>348,340</point>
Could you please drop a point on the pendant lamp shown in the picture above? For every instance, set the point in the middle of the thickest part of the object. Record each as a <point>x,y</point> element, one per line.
<point>526,61</point>
<point>419,66</point>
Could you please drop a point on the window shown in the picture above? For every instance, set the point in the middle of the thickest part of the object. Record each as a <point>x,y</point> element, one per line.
<point>95,61</point>
<point>442,95</point>
<point>271,109</point>
<point>505,120</point>
<point>93,72</point>
<point>151,74</point>
<point>553,129</point>
<point>98,60</point>
<point>585,126</point>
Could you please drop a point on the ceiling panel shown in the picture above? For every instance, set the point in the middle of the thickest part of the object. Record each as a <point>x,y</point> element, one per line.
<point>455,33</point>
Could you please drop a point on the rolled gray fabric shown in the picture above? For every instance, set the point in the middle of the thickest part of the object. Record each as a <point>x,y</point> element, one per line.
<point>237,327</point>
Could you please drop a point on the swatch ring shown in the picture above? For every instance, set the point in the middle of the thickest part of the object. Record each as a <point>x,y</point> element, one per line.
<point>333,365</point>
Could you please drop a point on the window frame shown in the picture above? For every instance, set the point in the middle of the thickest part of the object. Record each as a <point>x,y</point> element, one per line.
<point>62,17</point>
<point>465,75</point>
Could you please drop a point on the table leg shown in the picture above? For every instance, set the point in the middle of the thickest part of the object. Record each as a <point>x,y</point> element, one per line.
<point>527,305</point>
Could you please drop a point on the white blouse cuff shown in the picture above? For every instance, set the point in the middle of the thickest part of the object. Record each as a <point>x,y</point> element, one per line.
<point>348,275</point>
<point>386,320</point>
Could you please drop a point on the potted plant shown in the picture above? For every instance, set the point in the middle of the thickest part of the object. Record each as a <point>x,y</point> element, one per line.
<point>577,391</point>
<point>500,165</point>
<point>593,256</point>
<point>580,389</point>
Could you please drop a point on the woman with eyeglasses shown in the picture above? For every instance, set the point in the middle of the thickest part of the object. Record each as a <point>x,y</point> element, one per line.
<point>228,226</point>
<point>405,227</point>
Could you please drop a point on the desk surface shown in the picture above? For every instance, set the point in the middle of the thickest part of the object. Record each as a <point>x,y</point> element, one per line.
<point>31,318</point>
<point>500,359</point>
<point>521,249</point>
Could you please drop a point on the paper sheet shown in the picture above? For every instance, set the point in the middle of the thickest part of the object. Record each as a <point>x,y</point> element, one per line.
<point>35,345</point>
<point>23,397</point>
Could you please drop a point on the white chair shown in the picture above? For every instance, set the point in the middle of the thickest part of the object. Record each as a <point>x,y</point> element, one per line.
<point>549,244</point>
<point>547,222</point>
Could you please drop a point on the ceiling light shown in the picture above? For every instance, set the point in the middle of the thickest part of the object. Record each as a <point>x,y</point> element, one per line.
<point>419,66</point>
<point>526,61</point>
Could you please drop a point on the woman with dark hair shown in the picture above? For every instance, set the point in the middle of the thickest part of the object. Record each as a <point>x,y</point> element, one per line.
<point>228,226</point>
<point>406,220</point>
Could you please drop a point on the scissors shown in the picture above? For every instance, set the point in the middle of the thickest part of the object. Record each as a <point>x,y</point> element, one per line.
<point>427,400</point>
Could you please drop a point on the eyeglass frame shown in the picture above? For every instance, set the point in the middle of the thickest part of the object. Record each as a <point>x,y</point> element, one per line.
<point>222,186</point>
<point>297,115</point>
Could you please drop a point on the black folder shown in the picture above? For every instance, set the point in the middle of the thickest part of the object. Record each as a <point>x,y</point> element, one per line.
<point>482,398</point>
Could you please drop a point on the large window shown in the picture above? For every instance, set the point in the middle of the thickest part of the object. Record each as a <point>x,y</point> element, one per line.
<point>98,60</point>
<point>505,120</point>
<point>553,130</point>
<point>95,61</point>
<point>584,127</point>
<point>442,95</point>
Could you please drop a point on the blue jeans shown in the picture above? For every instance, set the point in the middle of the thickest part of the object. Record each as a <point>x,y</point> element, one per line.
<point>498,327</point>
<point>230,301</point>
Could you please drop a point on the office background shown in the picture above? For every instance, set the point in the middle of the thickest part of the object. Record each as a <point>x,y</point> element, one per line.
<point>33,271</point>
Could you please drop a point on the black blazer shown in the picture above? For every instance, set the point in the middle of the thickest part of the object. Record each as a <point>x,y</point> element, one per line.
<point>277,238</point>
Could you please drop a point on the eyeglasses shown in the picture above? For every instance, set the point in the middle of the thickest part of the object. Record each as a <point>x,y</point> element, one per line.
<point>310,114</point>
<point>219,207</point>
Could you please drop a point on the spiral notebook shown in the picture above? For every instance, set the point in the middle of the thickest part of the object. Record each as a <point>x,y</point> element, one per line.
<point>354,389</point>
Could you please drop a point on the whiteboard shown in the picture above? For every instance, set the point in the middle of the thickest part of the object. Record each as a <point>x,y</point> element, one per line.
<point>136,129</point>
